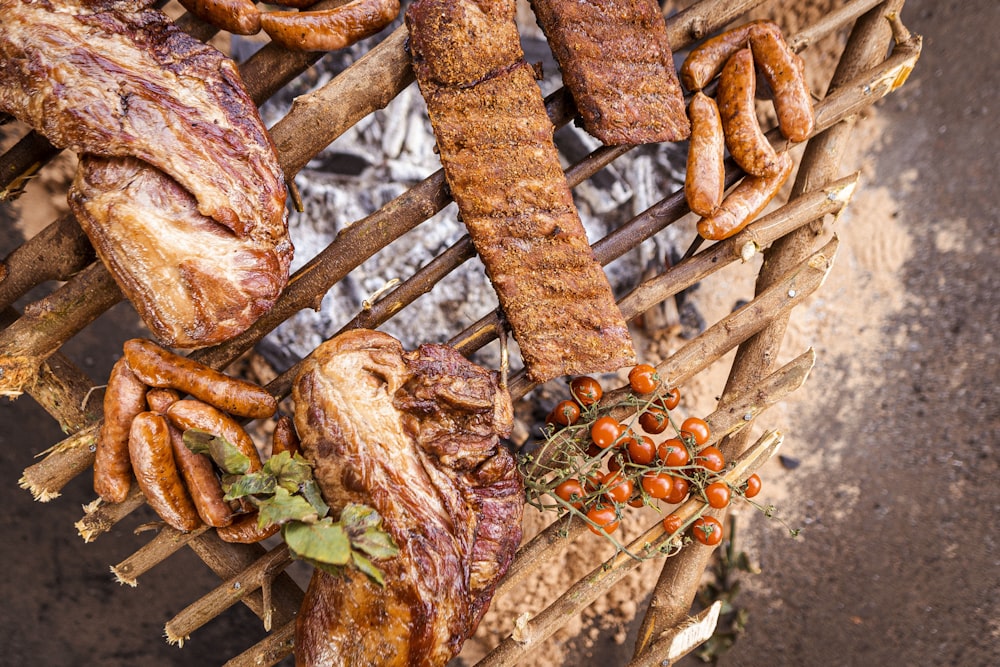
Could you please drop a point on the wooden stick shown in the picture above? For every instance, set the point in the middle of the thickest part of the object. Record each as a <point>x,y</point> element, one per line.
<point>64,462</point>
<point>269,651</point>
<point>99,517</point>
<point>167,542</point>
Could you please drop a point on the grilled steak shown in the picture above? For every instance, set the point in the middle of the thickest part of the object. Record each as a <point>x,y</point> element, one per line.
<point>173,156</point>
<point>495,143</point>
<point>416,436</point>
<point>617,64</point>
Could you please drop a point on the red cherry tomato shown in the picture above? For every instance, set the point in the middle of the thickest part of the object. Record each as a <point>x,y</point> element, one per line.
<point>643,379</point>
<point>657,484</point>
<point>572,492</point>
<point>697,429</point>
<point>670,399</point>
<point>642,451</point>
<point>707,530</point>
<point>565,413</point>
<point>586,390</point>
<point>619,488</point>
<point>710,458</point>
<point>673,453</point>
<point>605,517</point>
<point>672,523</point>
<point>718,494</point>
<point>615,462</point>
<point>654,420</point>
<point>752,486</point>
<point>679,491</point>
<point>627,437</point>
<point>605,431</point>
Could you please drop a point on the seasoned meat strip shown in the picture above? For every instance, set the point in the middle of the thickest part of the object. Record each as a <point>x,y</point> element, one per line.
<point>158,114</point>
<point>416,435</point>
<point>617,64</point>
<point>495,143</point>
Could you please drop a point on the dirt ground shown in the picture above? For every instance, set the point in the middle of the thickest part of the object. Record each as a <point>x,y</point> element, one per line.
<point>891,448</point>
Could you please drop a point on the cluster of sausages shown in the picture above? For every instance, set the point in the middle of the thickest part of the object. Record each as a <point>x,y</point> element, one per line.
<point>313,30</point>
<point>142,435</point>
<point>730,121</point>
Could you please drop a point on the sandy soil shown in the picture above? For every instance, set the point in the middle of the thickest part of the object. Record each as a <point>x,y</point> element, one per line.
<point>891,445</point>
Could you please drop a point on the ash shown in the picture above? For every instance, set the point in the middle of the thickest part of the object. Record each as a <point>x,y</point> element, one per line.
<point>393,149</point>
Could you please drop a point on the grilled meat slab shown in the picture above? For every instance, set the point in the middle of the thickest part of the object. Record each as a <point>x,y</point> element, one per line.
<point>416,435</point>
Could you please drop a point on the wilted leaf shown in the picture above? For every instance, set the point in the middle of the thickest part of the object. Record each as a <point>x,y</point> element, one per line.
<point>364,526</point>
<point>358,518</point>
<point>283,507</point>
<point>368,568</point>
<point>255,483</point>
<point>310,491</point>
<point>225,454</point>
<point>290,471</point>
<point>320,542</point>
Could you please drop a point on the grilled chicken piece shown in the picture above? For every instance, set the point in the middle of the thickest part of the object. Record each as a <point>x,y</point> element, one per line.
<point>617,64</point>
<point>495,142</point>
<point>173,155</point>
<point>416,435</point>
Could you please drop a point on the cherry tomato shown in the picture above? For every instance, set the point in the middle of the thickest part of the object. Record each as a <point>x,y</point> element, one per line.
<point>605,431</point>
<point>697,429</point>
<point>619,489</point>
<point>707,530</point>
<point>642,451</point>
<point>752,486</point>
<point>565,413</point>
<point>717,494</point>
<point>627,437</point>
<point>643,379</point>
<point>637,501</point>
<point>670,399</point>
<point>615,462</point>
<point>586,390</point>
<point>673,453</point>
<point>657,484</point>
<point>710,458</point>
<point>605,517</point>
<point>654,420</point>
<point>679,491</point>
<point>672,523</point>
<point>572,492</point>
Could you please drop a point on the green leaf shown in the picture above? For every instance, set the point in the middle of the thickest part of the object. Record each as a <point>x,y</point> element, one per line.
<point>368,568</point>
<point>323,542</point>
<point>283,507</point>
<point>364,526</point>
<point>310,491</point>
<point>358,518</point>
<point>255,483</point>
<point>290,472</point>
<point>224,453</point>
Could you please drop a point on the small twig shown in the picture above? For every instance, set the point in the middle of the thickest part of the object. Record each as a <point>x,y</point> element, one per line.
<point>99,517</point>
<point>269,651</point>
<point>167,542</point>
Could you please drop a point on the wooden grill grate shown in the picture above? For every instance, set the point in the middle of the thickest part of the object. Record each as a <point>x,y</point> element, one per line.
<point>795,268</point>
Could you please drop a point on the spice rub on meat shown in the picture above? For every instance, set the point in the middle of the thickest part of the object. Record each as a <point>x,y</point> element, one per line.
<point>179,186</point>
<point>416,435</point>
<point>617,64</point>
<point>495,143</point>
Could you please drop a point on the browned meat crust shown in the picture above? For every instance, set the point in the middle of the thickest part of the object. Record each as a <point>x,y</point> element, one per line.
<point>617,64</point>
<point>495,142</point>
<point>416,436</point>
<point>156,111</point>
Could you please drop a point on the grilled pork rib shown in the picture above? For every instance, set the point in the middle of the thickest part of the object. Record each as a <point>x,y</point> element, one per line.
<point>416,435</point>
<point>173,156</point>
<point>495,143</point>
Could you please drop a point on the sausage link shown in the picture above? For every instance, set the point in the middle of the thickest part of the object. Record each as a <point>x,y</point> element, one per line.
<point>744,138</point>
<point>240,17</point>
<point>706,60</point>
<point>329,29</point>
<point>705,178</point>
<point>124,398</point>
<point>745,202</point>
<point>284,439</point>
<point>191,413</point>
<point>155,471</point>
<point>158,367</point>
<point>160,400</point>
<point>784,72</point>
<point>244,530</point>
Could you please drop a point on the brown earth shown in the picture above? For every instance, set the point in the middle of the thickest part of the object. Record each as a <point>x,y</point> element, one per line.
<point>891,446</point>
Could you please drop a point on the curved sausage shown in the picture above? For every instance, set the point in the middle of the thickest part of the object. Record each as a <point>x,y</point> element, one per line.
<point>706,60</point>
<point>284,439</point>
<point>240,17</point>
<point>158,367</point>
<point>329,29</point>
<point>244,530</point>
<point>705,178</point>
<point>784,72</point>
<point>744,138</point>
<point>124,398</point>
<point>191,413</point>
<point>745,202</point>
<point>155,471</point>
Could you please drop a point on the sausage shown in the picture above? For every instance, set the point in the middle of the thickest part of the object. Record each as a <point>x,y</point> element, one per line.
<point>191,413</point>
<point>705,179</point>
<point>124,398</point>
<point>744,138</point>
<point>244,530</point>
<point>329,29</point>
<point>240,17</point>
<point>158,367</point>
<point>284,439</point>
<point>784,72</point>
<point>706,60</point>
<point>153,461</point>
<point>745,202</point>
